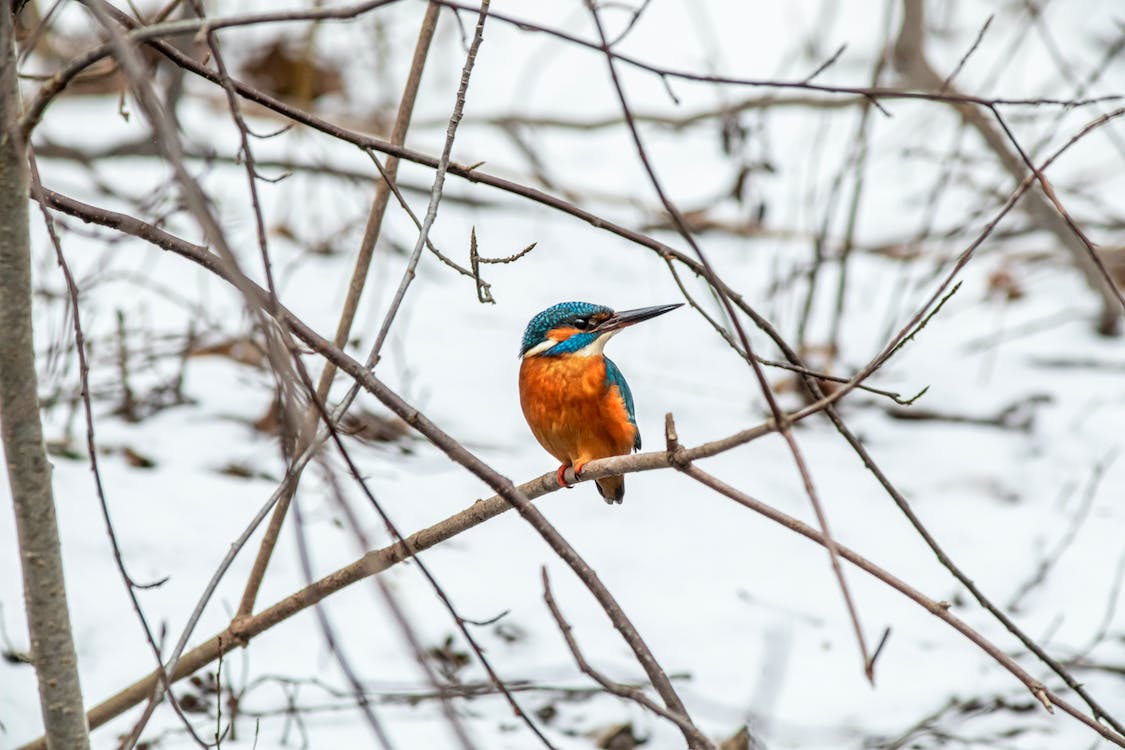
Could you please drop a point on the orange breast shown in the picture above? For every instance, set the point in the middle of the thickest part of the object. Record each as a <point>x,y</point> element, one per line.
<point>570,410</point>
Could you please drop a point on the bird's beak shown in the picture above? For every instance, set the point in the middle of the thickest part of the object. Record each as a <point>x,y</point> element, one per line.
<point>626,318</point>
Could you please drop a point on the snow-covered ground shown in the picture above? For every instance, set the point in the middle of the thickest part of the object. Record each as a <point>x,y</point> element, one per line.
<point>746,615</point>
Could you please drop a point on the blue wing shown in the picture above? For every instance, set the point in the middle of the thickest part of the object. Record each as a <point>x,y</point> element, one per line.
<point>613,376</point>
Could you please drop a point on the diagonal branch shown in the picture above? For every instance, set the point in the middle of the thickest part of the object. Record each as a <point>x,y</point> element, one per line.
<point>939,609</point>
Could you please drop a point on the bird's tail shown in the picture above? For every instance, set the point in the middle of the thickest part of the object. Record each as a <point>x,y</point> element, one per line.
<point>612,489</point>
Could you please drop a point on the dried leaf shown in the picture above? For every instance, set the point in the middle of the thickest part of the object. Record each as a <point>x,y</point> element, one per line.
<point>618,737</point>
<point>241,349</point>
<point>137,460</point>
<point>372,427</point>
<point>740,740</point>
<point>291,74</point>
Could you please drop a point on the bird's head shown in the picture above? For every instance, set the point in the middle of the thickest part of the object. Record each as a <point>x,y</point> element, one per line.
<point>579,328</point>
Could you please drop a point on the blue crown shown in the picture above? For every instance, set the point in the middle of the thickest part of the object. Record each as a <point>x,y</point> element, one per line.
<point>564,313</point>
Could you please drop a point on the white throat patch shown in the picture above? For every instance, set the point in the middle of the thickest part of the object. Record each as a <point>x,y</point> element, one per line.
<point>539,348</point>
<point>593,349</point>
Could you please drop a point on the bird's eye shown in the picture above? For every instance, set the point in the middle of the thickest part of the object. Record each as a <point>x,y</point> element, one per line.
<point>581,324</point>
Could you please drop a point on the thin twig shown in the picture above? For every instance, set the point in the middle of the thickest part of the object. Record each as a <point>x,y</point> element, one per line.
<point>435,192</point>
<point>1048,699</point>
<point>968,53</point>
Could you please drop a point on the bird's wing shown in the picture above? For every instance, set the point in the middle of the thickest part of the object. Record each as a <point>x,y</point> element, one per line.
<point>613,376</point>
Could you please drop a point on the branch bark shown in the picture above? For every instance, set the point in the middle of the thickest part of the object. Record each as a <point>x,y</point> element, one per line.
<point>29,472</point>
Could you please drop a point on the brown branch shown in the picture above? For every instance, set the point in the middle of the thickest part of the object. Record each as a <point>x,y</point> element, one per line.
<point>672,121</point>
<point>968,53</point>
<point>1049,192</point>
<point>665,73</point>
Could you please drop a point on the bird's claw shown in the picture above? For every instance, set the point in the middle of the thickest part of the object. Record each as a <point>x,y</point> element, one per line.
<point>560,475</point>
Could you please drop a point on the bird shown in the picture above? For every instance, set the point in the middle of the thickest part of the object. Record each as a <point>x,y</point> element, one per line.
<point>575,399</point>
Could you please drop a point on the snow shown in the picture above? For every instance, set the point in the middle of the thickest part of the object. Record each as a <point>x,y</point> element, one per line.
<point>746,615</point>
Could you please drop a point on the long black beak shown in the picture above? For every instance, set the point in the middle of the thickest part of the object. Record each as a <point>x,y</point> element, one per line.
<point>627,318</point>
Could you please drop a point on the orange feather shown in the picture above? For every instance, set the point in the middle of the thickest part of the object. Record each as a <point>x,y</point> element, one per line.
<point>572,412</point>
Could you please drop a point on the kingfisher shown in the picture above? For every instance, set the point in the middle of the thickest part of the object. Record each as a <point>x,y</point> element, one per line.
<point>574,398</point>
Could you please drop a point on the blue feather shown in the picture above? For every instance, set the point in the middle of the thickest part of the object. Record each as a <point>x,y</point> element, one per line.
<point>576,342</point>
<point>613,376</point>
<point>555,316</point>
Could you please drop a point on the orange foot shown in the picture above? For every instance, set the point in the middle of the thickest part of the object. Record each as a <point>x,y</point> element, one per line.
<point>560,476</point>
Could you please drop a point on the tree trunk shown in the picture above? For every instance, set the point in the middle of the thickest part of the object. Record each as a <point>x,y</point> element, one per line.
<point>29,473</point>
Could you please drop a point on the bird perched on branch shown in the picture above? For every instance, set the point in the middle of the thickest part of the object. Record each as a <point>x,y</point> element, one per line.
<point>576,401</point>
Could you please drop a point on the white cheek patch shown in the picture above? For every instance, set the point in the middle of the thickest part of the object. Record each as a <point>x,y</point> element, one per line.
<point>539,348</point>
<point>595,347</point>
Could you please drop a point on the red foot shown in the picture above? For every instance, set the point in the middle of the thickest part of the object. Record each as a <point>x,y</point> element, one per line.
<point>559,475</point>
<point>578,467</point>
